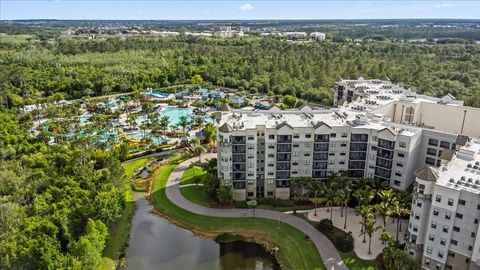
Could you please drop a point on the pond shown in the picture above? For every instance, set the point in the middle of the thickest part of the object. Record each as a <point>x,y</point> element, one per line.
<point>157,244</point>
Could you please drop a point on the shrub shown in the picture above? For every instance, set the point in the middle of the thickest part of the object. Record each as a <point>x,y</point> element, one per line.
<point>343,242</point>
<point>326,226</point>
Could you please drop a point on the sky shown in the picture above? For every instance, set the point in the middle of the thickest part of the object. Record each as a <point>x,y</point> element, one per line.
<point>236,10</point>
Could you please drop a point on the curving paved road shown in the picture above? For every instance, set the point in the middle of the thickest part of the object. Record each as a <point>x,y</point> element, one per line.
<point>331,258</point>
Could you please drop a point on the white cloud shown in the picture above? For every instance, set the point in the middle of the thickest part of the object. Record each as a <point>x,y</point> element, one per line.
<point>246,7</point>
<point>443,5</point>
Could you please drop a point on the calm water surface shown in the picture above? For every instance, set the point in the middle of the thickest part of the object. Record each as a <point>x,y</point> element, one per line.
<point>157,244</point>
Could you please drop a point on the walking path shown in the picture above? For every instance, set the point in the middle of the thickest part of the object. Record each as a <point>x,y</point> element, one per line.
<point>354,226</point>
<point>331,258</point>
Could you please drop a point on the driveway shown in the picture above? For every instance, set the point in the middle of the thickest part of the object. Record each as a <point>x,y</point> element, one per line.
<point>331,258</point>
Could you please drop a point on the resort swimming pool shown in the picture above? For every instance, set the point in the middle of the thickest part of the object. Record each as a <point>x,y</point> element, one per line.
<point>139,135</point>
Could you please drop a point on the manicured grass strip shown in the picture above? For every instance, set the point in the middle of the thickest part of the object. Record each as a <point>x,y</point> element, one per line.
<point>190,174</point>
<point>295,251</point>
<point>131,166</point>
<point>355,263</point>
<point>195,194</point>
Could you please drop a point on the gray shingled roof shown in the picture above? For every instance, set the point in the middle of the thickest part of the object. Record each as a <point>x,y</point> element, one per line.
<point>225,128</point>
<point>447,154</point>
<point>427,173</point>
<point>461,140</point>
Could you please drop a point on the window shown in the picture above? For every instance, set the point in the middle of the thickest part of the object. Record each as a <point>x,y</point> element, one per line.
<point>295,145</point>
<point>401,155</point>
<point>470,248</point>
<point>444,144</point>
<point>427,262</point>
<point>306,162</point>
<point>433,142</point>
<point>458,215</point>
<point>431,237</point>
<point>478,206</point>
<point>445,229</point>
<point>429,250</point>
<point>475,221</point>
<point>472,234</point>
<point>400,165</point>
<point>396,183</point>
<point>456,229</point>
<point>344,135</point>
<point>308,136</point>
<point>431,151</point>
<point>433,225</point>
<point>440,254</point>
<point>438,198</point>
<point>305,171</point>
<point>419,204</point>
<point>307,144</point>
<point>307,154</point>
<point>435,211</point>
<point>331,153</point>
<point>271,137</point>
<point>402,144</point>
<point>415,228</point>
<point>270,181</point>
<point>374,138</point>
<point>448,215</point>
<point>333,135</point>
<point>430,161</point>
<point>374,148</point>
<point>461,202</point>
<point>332,144</point>
<point>331,161</point>
<point>251,137</point>
<point>443,241</point>
<point>296,136</point>
<point>453,242</point>
<point>450,202</point>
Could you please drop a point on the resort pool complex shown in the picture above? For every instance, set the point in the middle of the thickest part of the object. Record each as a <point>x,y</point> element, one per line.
<point>139,135</point>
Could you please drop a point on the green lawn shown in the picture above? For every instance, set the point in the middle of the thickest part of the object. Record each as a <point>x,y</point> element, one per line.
<point>195,194</point>
<point>295,251</point>
<point>120,232</point>
<point>355,263</point>
<point>190,174</point>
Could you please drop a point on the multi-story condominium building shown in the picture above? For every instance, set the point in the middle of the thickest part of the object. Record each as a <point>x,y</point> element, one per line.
<point>443,229</point>
<point>378,130</point>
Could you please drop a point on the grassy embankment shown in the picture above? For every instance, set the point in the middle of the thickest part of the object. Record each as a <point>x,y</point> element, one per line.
<point>294,250</point>
<point>120,232</point>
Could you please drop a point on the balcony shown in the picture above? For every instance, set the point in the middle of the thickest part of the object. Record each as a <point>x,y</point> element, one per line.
<point>359,138</point>
<point>356,165</point>
<point>320,147</point>
<point>384,163</point>
<point>238,158</point>
<point>386,144</point>
<point>358,147</point>
<point>319,165</point>
<point>358,156</point>
<point>284,156</point>
<point>238,140</point>
<point>284,138</point>
<point>284,148</point>
<point>322,137</point>
<point>238,149</point>
<point>319,174</point>
<point>383,173</point>
<point>283,166</point>
<point>238,176</point>
<point>283,174</point>
<point>239,167</point>
<point>320,156</point>
<point>386,154</point>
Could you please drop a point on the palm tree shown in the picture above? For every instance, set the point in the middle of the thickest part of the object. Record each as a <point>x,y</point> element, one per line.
<point>345,197</point>
<point>297,182</point>
<point>386,238</point>
<point>164,122</point>
<point>183,122</point>
<point>132,120</point>
<point>370,229</point>
<point>364,196</point>
<point>378,185</point>
<point>315,187</point>
<point>362,183</point>
<point>198,121</point>
<point>383,209</point>
<point>329,195</point>
<point>365,211</point>
<point>199,150</point>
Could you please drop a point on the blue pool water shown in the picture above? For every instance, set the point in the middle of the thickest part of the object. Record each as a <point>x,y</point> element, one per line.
<point>139,135</point>
<point>176,113</point>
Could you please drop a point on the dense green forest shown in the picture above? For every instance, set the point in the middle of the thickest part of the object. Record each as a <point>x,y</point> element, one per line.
<point>56,202</point>
<point>35,69</point>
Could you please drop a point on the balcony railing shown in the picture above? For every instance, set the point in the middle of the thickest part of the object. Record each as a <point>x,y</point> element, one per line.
<point>358,147</point>
<point>386,144</point>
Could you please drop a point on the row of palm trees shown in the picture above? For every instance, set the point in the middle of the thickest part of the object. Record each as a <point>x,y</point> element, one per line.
<point>372,198</point>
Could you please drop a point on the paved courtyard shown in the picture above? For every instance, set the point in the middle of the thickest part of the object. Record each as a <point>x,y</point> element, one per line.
<point>354,226</point>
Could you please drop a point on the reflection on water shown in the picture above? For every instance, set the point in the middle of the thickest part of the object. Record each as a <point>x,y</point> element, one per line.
<point>157,244</point>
